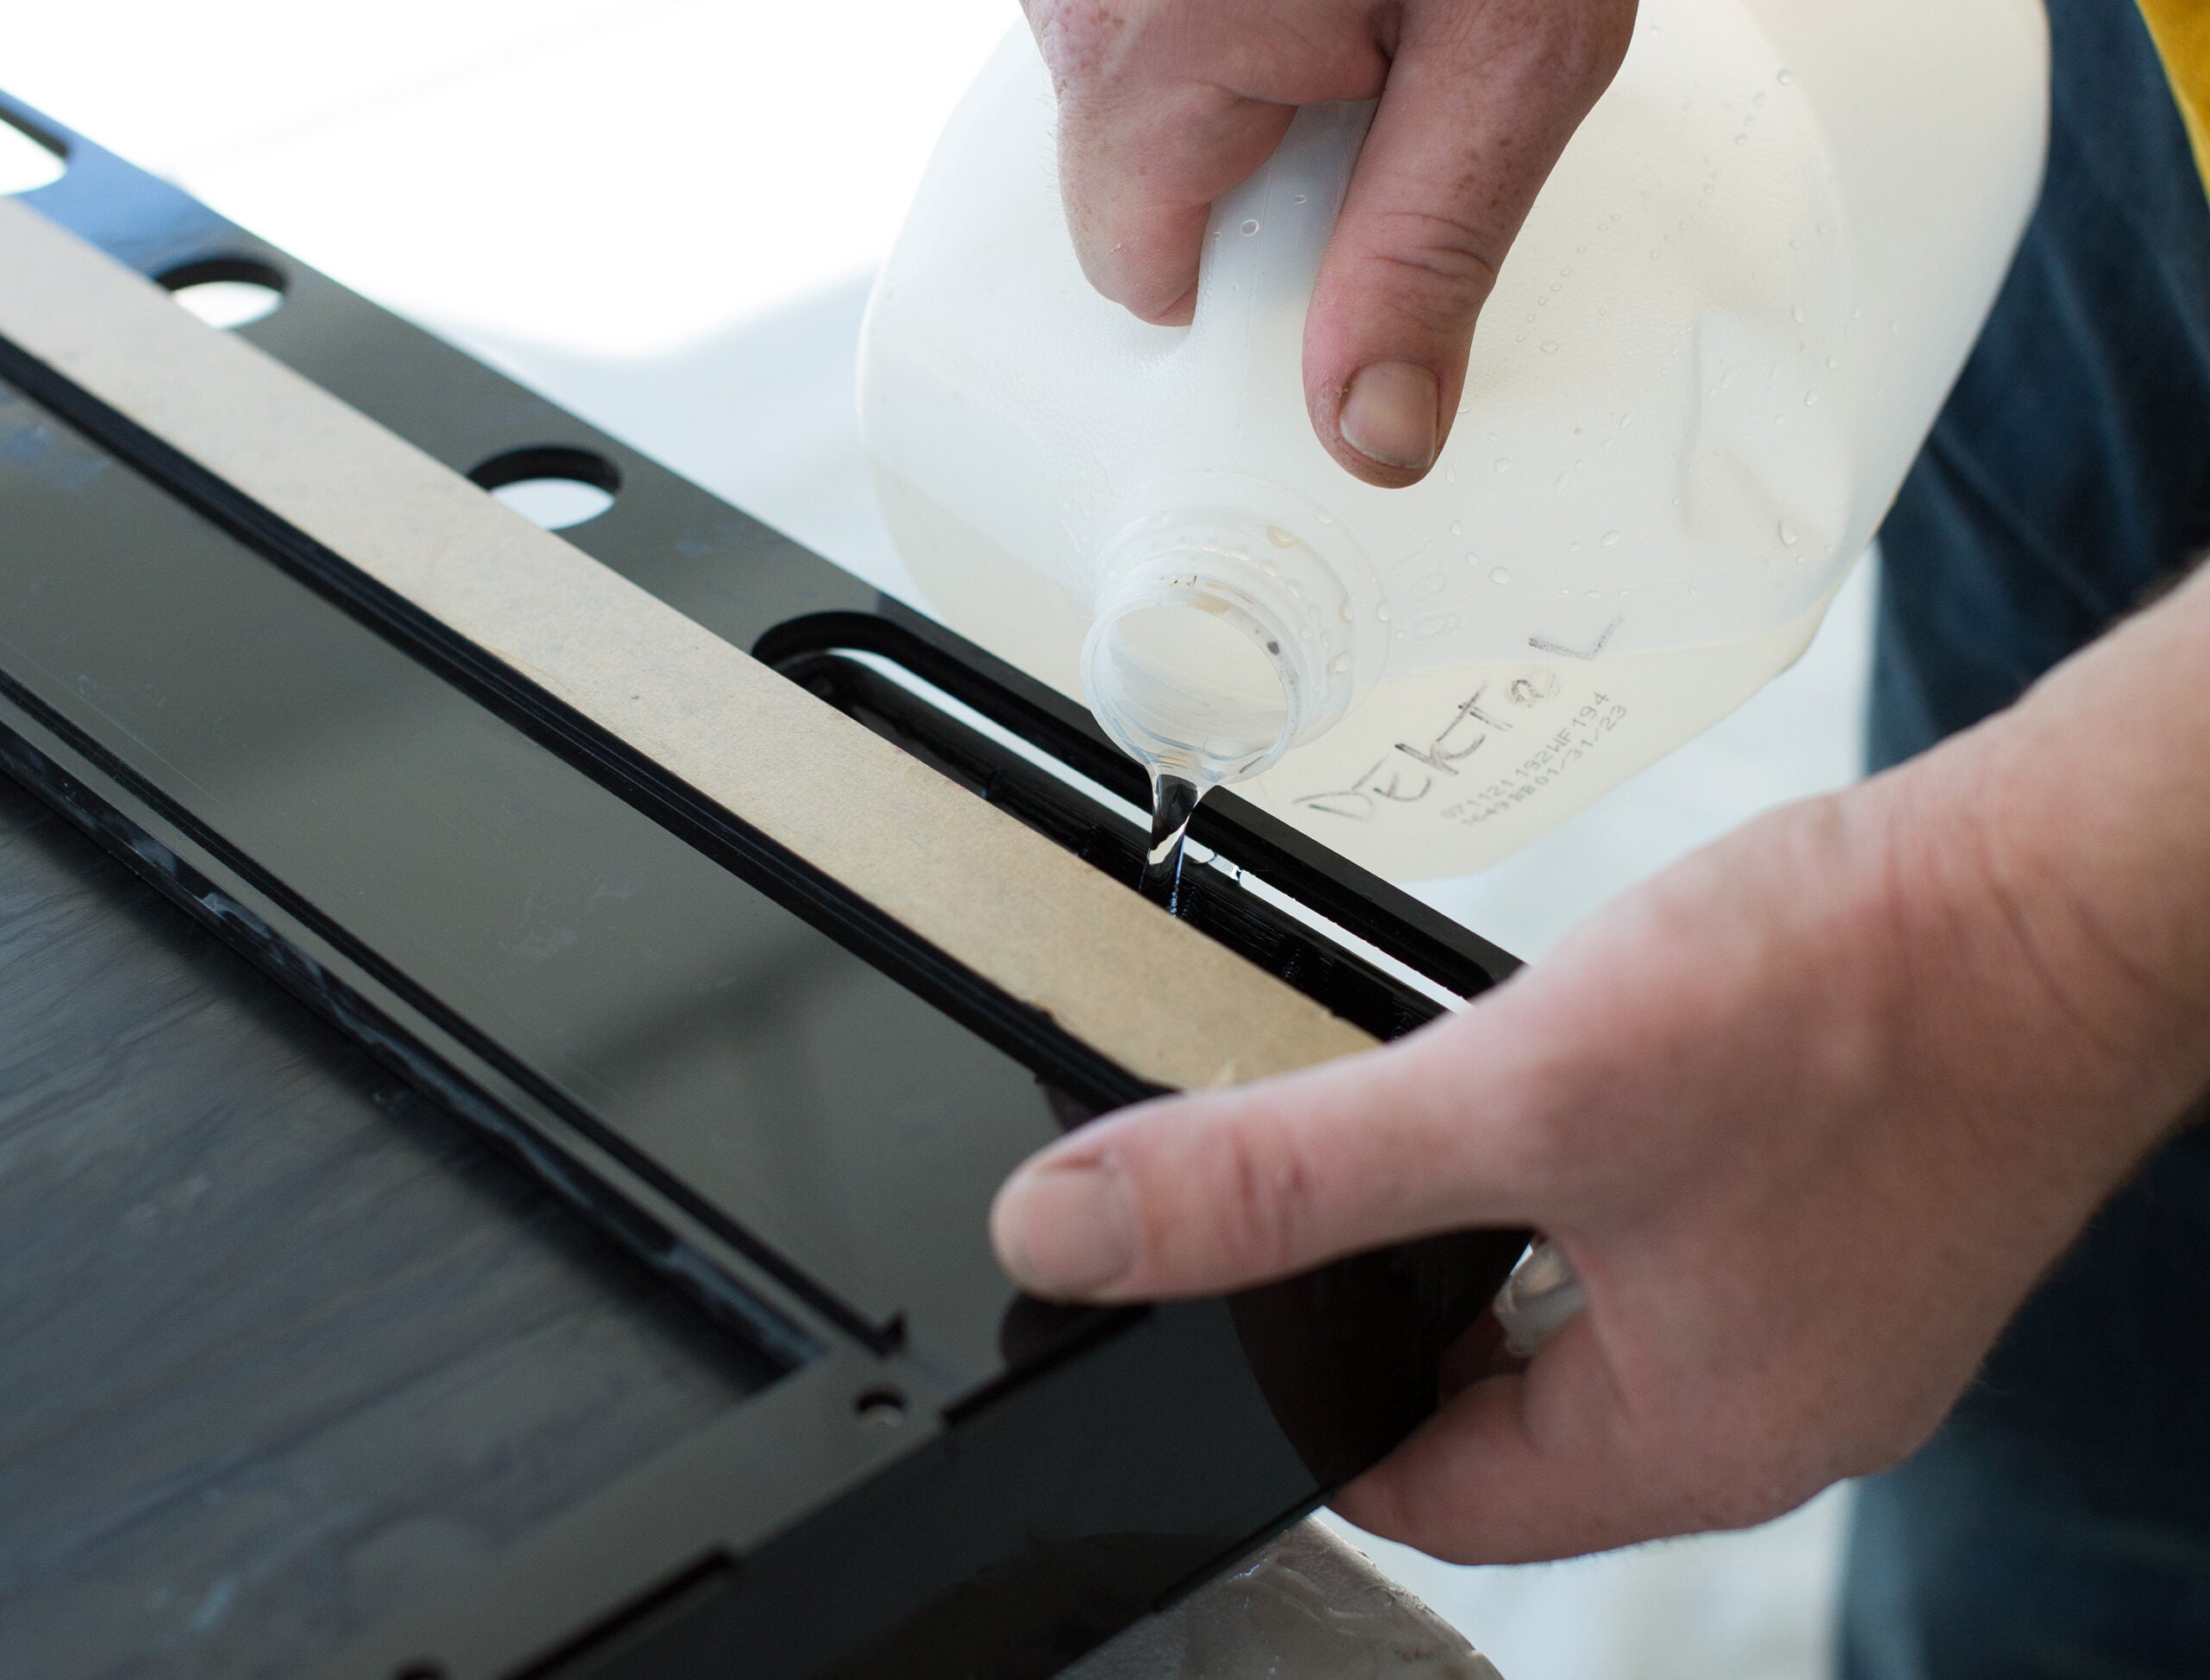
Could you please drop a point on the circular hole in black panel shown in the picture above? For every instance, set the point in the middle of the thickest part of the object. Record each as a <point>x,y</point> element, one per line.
<point>28,161</point>
<point>880,1408</point>
<point>226,291</point>
<point>554,486</point>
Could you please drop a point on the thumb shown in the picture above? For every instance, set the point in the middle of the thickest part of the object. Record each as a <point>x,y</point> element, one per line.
<point>1199,1194</point>
<point>1481,101</point>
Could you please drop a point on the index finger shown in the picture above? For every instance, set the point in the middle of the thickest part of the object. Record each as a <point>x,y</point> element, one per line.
<point>1198,1195</point>
<point>1165,107</point>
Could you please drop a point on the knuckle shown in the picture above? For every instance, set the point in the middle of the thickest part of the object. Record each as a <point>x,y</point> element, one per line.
<point>1595,44</point>
<point>1081,40</point>
<point>1574,50</point>
<point>1436,269</point>
<point>1269,1194</point>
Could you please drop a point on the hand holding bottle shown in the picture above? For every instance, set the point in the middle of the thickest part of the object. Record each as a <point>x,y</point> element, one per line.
<point>1810,1115</point>
<point>1722,329</point>
<point>1167,104</point>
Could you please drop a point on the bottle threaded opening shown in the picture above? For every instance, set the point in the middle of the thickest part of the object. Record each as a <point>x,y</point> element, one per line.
<point>1219,644</point>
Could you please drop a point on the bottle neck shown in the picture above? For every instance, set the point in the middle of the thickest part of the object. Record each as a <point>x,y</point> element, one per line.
<point>1221,642</point>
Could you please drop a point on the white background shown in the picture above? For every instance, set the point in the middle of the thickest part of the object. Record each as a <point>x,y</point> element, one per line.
<point>664,213</point>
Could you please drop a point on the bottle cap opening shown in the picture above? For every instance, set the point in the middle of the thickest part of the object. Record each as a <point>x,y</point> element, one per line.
<point>1221,641</point>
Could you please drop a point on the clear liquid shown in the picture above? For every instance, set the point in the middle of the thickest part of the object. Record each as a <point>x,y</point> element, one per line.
<point>1173,802</point>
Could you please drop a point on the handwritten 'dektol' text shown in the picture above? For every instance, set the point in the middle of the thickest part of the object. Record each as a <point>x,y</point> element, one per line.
<point>1446,764</point>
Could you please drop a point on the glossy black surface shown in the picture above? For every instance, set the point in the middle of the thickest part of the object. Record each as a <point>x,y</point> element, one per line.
<point>823,1108</point>
<point>287,1351</point>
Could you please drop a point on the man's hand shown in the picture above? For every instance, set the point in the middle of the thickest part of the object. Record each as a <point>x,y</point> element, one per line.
<point>1810,1113</point>
<point>1167,104</point>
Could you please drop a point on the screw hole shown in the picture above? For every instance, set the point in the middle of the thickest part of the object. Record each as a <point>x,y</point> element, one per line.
<point>28,161</point>
<point>880,1408</point>
<point>226,291</point>
<point>552,485</point>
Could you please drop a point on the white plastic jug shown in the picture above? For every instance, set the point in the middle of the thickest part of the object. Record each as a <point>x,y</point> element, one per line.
<point>1710,359</point>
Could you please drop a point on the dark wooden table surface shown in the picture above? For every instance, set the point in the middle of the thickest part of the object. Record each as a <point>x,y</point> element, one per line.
<point>282,1344</point>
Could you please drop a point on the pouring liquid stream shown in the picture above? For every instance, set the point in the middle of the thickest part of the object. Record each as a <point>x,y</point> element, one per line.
<point>1173,802</point>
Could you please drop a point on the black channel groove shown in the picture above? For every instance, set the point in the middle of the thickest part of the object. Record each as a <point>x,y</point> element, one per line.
<point>458,1026</point>
<point>764,1326</point>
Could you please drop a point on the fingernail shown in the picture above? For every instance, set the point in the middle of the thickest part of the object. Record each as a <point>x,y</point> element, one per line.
<point>1065,1231</point>
<point>1388,415</point>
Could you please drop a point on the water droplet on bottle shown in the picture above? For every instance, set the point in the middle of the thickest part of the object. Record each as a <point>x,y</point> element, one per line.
<point>1786,79</point>
<point>1549,346</point>
<point>1457,527</point>
<point>1499,576</point>
<point>1340,664</point>
<point>1304,633</point>
<point>1503,463</point>
<point>1347,614</point>
<point>1810,399</point>
<point>1796,313</point>
<point>1381,612</point>
<point>1611,540</point>
<point>1741,139</point>
<point>1250,227</point>
<point>1788,537</point>
<point>1279,537</point>
<point>1832,362</point>
<point>1298,199</point>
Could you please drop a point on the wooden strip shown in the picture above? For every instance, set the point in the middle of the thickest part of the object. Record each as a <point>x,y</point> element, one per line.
<point>1110,968</point>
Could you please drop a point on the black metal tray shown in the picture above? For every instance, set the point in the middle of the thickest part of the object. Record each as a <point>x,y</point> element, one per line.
<point>777,1096</point>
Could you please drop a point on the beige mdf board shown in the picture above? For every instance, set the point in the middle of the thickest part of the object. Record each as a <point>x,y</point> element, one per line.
<point>1109,968</point>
